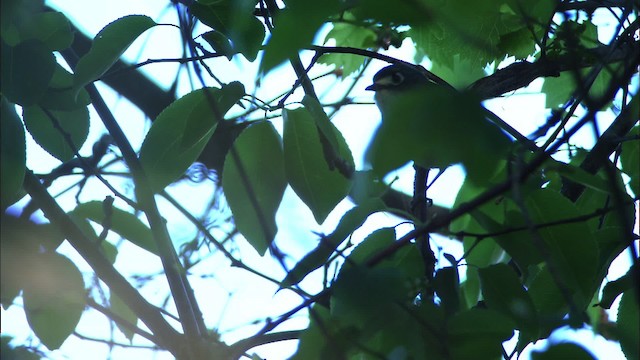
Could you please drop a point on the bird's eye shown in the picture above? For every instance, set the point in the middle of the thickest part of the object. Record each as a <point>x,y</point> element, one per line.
<point>397,78</point>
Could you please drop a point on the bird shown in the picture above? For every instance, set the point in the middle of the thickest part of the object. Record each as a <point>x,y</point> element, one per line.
<point>433,125</point>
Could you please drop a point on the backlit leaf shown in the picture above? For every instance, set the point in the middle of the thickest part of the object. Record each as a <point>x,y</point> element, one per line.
<point>307,170</point>
<point>54,298</point>
<point>254,182</point>
<point>109,44</point>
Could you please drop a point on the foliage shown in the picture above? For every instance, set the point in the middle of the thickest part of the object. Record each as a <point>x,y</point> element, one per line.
<point>539,229</point>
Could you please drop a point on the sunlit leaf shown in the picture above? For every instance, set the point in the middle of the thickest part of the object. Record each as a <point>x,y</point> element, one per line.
<point>254,183</point>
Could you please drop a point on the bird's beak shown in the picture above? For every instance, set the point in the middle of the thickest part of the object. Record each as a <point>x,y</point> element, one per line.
<point>372,87</point>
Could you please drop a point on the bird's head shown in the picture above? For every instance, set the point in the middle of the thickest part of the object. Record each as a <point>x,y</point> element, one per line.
<point>396,80</point>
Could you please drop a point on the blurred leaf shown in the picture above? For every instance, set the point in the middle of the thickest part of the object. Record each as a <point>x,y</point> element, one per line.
<point>563,352</point>
<point>628,320</point>
<point>503,292</point>
<point>26,71</point>
<point>352,220</point>
<point>74,124</point>
<point>12,154</point>
<point>295,28</point>
<point>254,182</point>
<point>478,334</point>
<point>180,133</point>
<point>123,223</point>
<point>361,294</point>
<point>54,298</point>
<point>630,155</point>
<point>50,27</point>
<point>109,44</point>
<point>366,185</point>
<point>447,286</point>
<point>17,352</point>
<point>60,94</point>
<point>307,171</point>
<point>123,311</point>
<point>461,73</point>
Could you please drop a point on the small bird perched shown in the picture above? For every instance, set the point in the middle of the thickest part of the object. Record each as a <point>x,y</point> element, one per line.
<point>433,125</point>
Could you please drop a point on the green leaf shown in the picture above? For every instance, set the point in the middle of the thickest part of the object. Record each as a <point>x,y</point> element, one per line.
<point>478,334</point>
<point>366,185</point>
<point>12,154</point>
<point>318,186</point>
<point>74,124</point>
<point>361,294</point>
<point>352,220</point>
<point>254,182</point>
<point>26,71</point>
<point>124,312</point>
<point>180,133</point>
<point>503,292</point>
<point>295,29</point>
<point>571,246</point>
<point>630,155</point>
<point>562,352</point>
<point>60,94</point>
<point>234,19</point>
<point>616,287</point>
<point>219,43</point>
<point>578,175</point>
<point>349,35</point>
<point>370,246</point>
<point>470,30</point>
<point>123,223</point>
<point>54,298</point>
<point>628,324</point>
<point>51,27</point>
<point>16,352</point>
<point>447,286</point>
<point>109,44</point>
<point>424,126</point>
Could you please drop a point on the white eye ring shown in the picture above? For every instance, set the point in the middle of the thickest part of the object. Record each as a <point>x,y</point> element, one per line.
<point>397,78</point>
